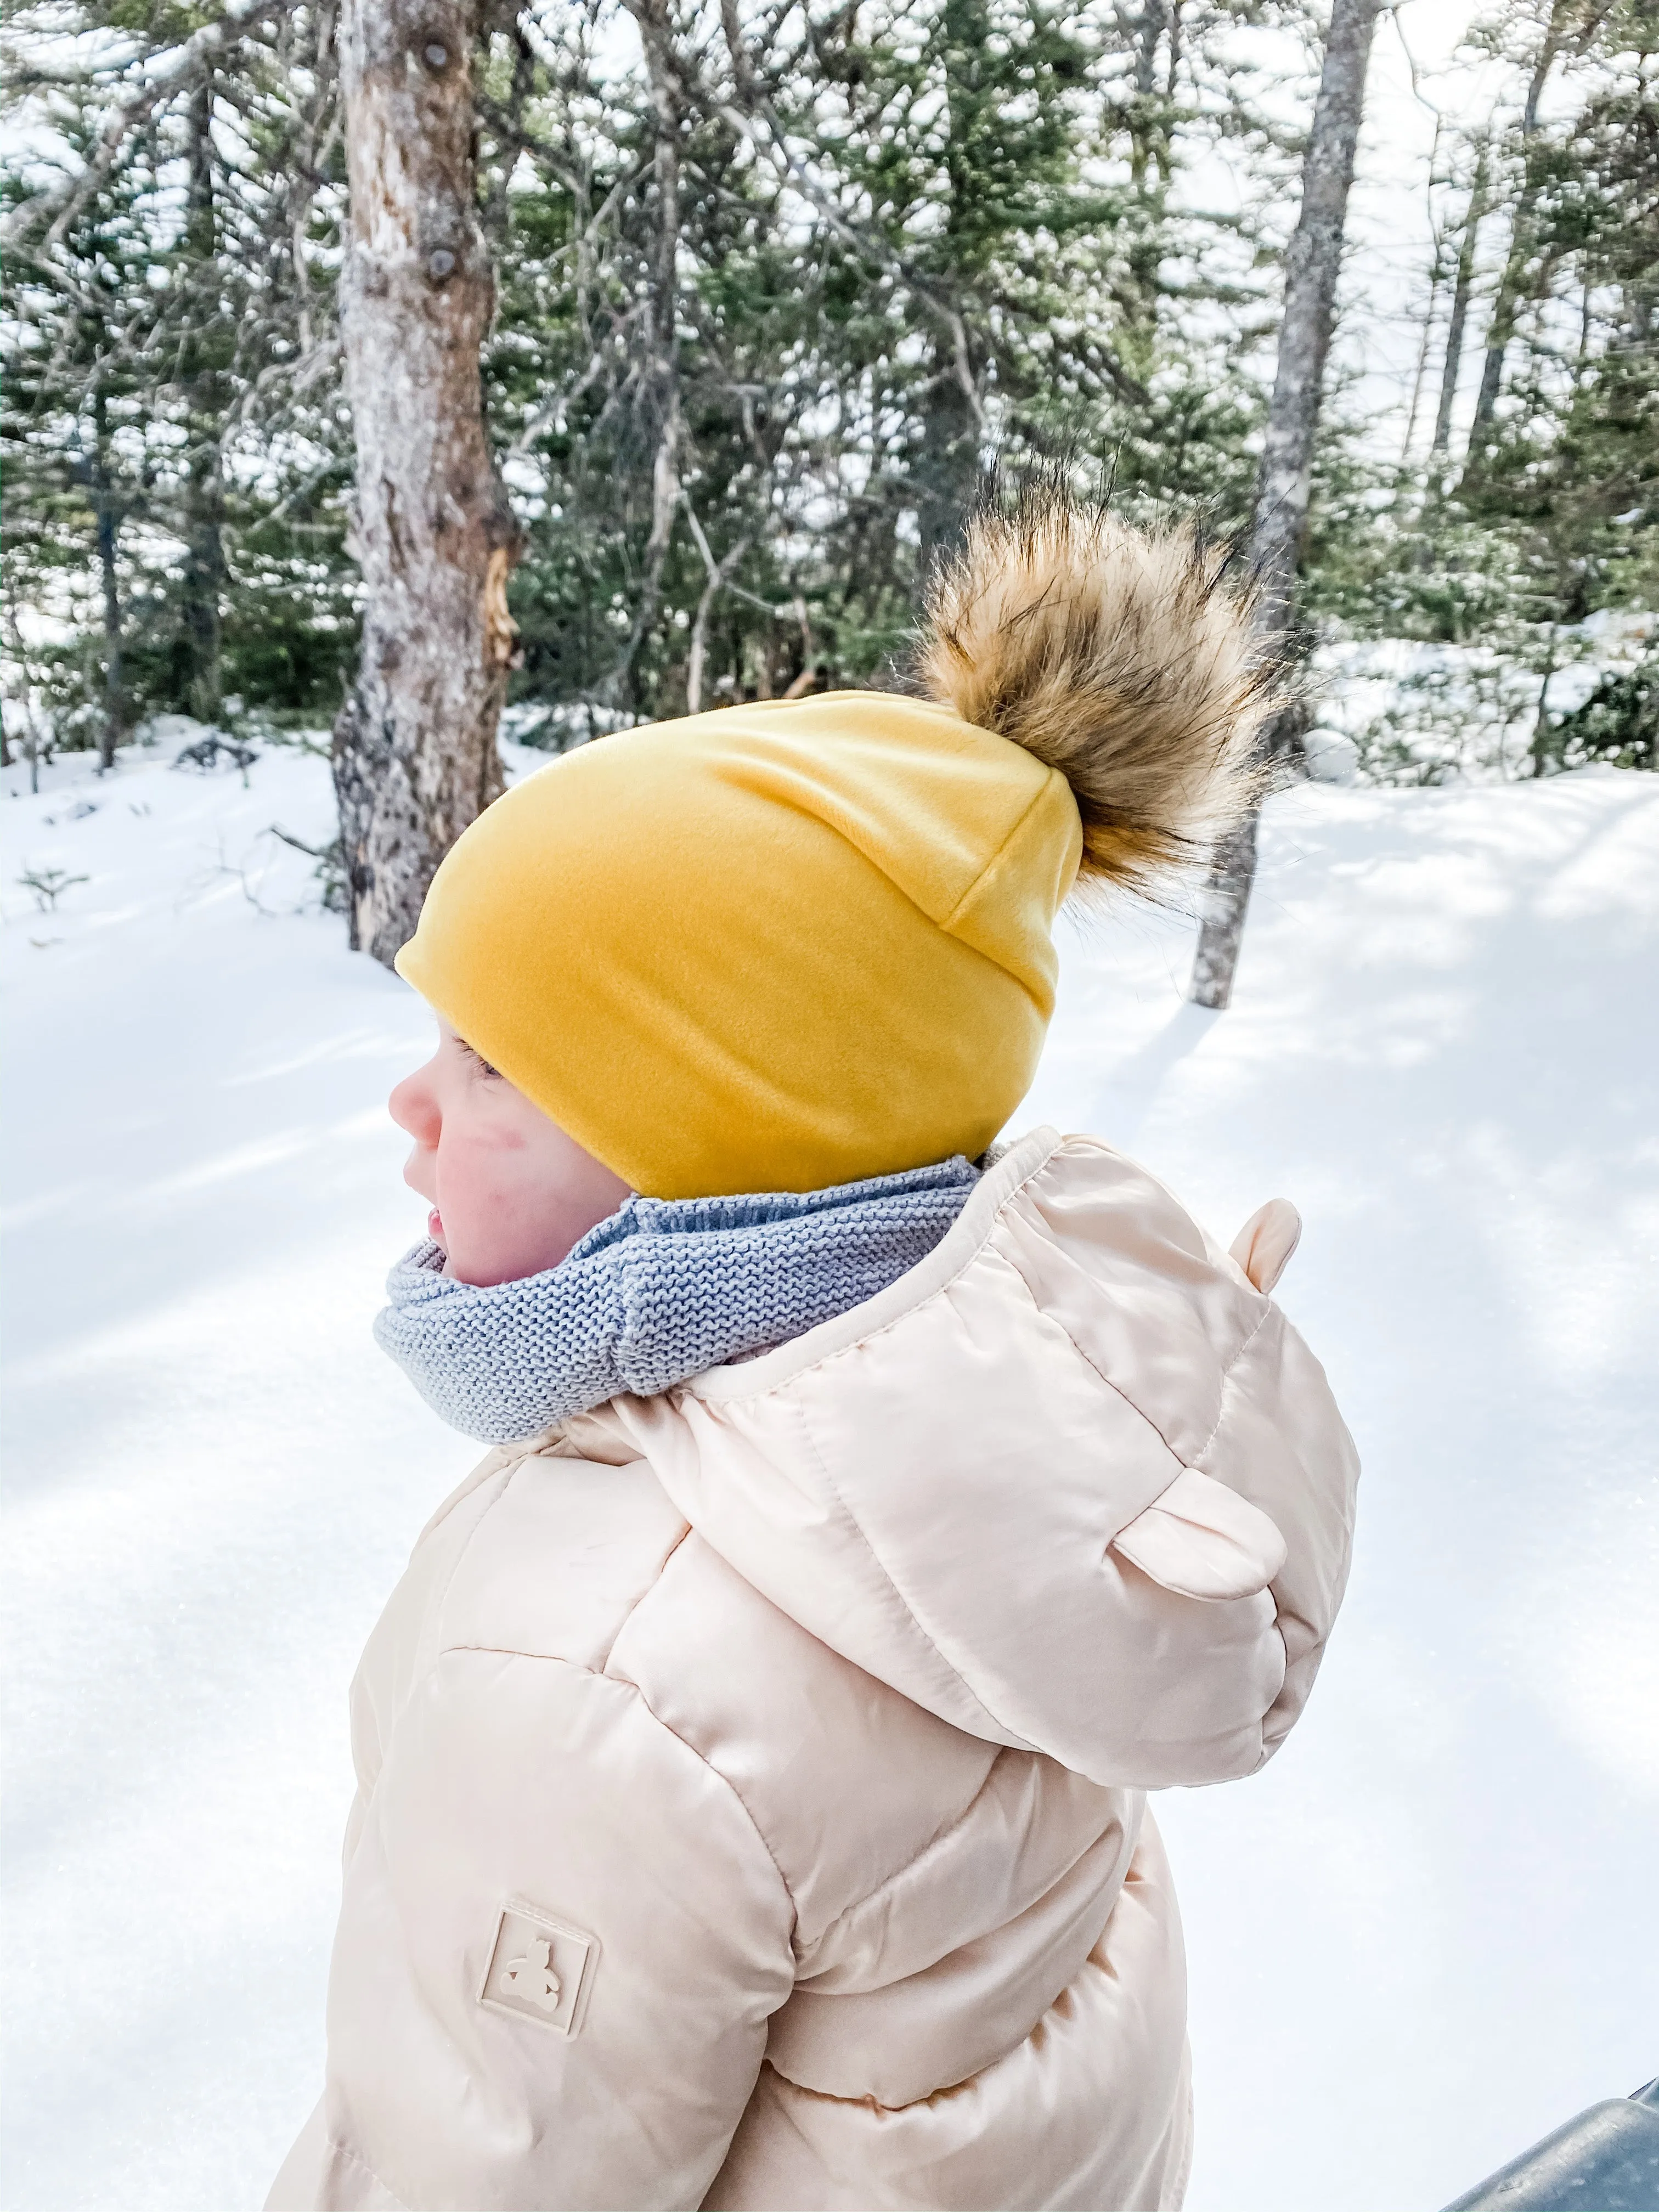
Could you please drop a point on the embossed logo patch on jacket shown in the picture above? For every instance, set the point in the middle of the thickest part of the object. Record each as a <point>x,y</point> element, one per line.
<point>538,1968</point>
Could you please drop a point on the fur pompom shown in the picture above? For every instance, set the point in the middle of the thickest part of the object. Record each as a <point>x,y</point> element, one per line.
<point>1119,657</point>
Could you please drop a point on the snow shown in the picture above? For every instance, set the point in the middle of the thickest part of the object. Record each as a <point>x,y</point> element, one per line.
<point>1419,1939</point>
<point>1457,713</point>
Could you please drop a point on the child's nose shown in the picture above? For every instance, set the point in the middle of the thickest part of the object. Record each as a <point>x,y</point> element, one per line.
<point>414,1108</point>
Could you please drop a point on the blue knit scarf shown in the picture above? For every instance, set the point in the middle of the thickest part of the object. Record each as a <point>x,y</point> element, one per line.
<point>664,1289</point>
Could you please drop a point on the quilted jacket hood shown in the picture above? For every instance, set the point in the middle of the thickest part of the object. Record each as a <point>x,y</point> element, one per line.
<point>1073,1484</point>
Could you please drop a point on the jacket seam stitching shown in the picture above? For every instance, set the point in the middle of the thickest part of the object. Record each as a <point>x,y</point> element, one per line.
<point>1227,1376</point>
<point>873,2103</point>
<point>464,1490</point>
<point>633,1689</point>
<point>333,2143</point>
<point>439,1599</point>
<point>511,1470</point>
<point>782,2104</point>
<point>938,1841</point>
<point>1118,1390</point>
<point>1098,1371</point>
<point>939,1837</point>
<point>662,1569</point>
<point>1020,1742</point>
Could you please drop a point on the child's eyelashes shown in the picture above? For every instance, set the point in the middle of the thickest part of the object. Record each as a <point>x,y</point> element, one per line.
<point>479,1061</point>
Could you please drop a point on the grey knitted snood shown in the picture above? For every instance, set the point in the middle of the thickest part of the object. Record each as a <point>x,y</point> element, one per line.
<point>651,1297</point>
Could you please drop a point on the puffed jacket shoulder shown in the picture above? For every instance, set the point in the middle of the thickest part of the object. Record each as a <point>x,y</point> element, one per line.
<point>751,1779</point>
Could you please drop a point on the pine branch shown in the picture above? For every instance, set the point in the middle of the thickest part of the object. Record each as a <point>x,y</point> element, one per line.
<point>59,207</point>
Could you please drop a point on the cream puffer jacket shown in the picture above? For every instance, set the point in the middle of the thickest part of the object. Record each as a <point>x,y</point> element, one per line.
<point>751,1808</point>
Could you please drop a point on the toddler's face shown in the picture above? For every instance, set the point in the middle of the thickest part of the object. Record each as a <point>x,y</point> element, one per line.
<point>510,1192</point>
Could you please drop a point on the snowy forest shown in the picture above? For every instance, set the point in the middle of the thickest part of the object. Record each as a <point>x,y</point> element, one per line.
<point>759,294</point>
<point>398,392</point>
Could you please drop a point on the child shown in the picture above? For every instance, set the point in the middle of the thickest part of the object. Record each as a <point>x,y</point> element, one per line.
<point>751,1760</point>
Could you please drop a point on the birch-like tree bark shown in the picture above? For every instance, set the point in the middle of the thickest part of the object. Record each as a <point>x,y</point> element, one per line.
<point>1452,366</point>
<point>1311,267</point>
<point>415,753</point>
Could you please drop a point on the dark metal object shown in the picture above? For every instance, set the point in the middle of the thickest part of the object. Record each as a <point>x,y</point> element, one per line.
<point>1606,2161</point>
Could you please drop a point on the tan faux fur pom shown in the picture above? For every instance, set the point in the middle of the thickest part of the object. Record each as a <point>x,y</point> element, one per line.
<point>1121,656</point>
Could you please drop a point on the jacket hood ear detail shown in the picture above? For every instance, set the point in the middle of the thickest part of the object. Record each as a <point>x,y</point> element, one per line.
<point>1201,1540</point>
<point>1071,1483</point>
<point>1265,1246</point>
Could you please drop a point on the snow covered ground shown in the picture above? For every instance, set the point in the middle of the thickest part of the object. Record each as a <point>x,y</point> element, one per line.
<point>1422,1937</point>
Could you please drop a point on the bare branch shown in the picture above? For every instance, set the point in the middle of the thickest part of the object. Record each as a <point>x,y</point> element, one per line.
<point>771,144</point>
<point>718,572</point>
<point>64,201</point>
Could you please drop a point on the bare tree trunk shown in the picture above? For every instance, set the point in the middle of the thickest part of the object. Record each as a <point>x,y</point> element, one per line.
<point>204,488</point>
<point>947,470</point>
<point>315,116</point>
<point>103,503</point>
<point>947,473</point>
<point>1142,28</point>
<point>204,576</point>
<point>1502,327</point>
<point>415,753</point>
<point>1461,286</point>
<point>1311,267</point>
<point>1538,751</point>
<point>662,394</point>
<point>1436,278</point>
<point>718,571</point>
<point>1232,872</point>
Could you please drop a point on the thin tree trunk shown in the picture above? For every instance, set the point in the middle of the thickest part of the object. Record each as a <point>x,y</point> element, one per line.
<point>1232,872</point>
<point>1538,749</point>
<point>717,572</point>
<point>1501,329</point>
<point>1142,30</point>
<point>415,752</point>
<point>662,394</point>
<point>314,114</point>
<point>104,499</point>
<point>953,423</point>
<point>699,654</point>
<point>1312,268</point>
<point>204,574</point>
<point>1281,502</point>
<point>947,470</point>
<point>1440,446</point>
<point>205,490</point>
<point>1436,278</point>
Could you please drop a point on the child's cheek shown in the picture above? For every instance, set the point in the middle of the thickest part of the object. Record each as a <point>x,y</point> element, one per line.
<point>480,1175</point>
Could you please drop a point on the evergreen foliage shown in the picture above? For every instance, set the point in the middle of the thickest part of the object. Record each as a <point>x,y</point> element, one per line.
<point>773,288</point>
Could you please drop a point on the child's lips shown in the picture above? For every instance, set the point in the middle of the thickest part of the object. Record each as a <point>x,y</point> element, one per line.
<point>434,1227</point>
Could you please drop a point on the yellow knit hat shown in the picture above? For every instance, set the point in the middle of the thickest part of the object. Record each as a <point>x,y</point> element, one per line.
<point>786,945</point>
<point>772,948</point>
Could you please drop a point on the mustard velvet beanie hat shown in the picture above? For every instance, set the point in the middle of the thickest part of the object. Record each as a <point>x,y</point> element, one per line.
<point>790,945</point>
